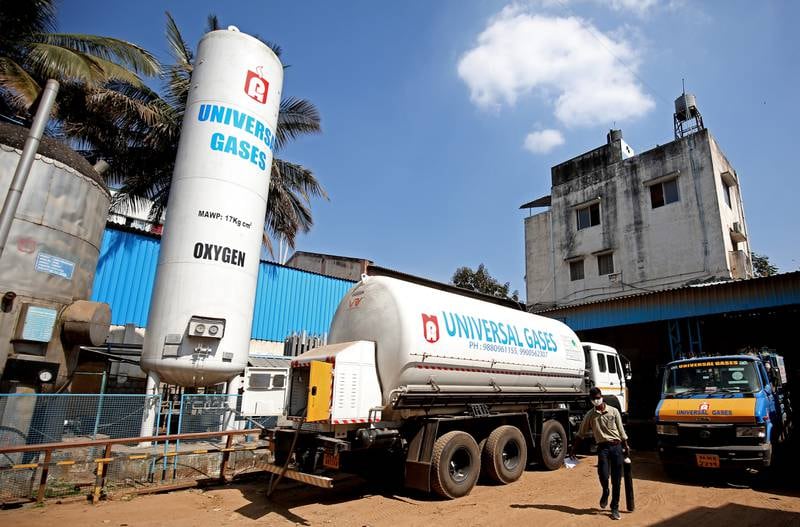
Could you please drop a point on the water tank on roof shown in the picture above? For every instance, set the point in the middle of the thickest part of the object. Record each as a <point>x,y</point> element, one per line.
<point>686,107</point>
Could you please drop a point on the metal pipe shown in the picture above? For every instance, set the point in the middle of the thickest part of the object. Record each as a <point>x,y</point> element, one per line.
<point>26,161</point>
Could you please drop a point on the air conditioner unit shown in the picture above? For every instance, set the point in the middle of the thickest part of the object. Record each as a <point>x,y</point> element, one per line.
<point>615,278</point>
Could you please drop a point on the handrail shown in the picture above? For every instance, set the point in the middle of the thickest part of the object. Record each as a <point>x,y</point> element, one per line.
<point>98,442</point>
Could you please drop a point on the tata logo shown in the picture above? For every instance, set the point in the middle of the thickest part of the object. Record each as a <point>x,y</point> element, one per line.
<point>256,86</point>
<point>430,328</point>
<point>704,406</point>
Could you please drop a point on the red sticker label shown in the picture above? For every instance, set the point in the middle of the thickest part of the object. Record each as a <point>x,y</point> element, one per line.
<point>256,86</point>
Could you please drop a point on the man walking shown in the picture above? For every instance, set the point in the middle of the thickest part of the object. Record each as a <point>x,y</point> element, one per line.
<point>604,422</point>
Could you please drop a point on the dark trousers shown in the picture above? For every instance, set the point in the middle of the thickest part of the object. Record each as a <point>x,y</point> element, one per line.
<point>609,460</point>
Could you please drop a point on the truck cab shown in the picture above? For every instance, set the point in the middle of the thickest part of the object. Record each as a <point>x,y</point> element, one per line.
<point>609,371</point>
<point>723,411</point>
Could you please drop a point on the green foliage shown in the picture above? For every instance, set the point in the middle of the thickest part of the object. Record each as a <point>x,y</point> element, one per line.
<point>481,281</point>
<point>32,52</point>
<point>762,266</point>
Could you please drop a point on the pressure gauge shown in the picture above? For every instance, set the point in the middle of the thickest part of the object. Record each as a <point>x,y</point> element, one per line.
<point>45,376</point>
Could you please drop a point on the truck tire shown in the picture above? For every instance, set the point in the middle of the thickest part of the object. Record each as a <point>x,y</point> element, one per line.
<point>505,455</point>
<point>611,400</point>
<point>455,464</point>
<point>552,445</point>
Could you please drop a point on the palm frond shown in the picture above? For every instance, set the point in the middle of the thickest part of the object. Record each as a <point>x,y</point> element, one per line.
<point>49,61</point>
<point>212,23</point>
<point>298,179</point>
<point>22,18</point>
<point>276,48</point>
<point>180,51</point>
<point>296,117</point>
<point>22,87</point>
<point>123,53</point>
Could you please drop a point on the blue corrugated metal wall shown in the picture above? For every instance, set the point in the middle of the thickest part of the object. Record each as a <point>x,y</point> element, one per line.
<point>287,300</point>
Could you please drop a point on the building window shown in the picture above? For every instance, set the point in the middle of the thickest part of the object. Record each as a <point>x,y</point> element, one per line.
<point>576,270</point>
<point>726,193</point>
<point>605,264</point>
<point>664,193</point>
<point>588,216</point>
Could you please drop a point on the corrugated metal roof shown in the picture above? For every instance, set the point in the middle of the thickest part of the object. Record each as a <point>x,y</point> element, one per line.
<point>687,301</point>
<point>287,300</point>
<point>269,361</point>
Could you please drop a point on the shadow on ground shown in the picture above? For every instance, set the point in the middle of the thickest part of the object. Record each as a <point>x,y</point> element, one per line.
<point>731,515</point>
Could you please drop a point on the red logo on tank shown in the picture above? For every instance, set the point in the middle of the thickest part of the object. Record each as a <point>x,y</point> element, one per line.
<point>430,328</point>
<point>704,406</point>
<point>256,86</point>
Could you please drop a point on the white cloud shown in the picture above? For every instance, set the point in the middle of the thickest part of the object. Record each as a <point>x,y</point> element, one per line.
<point>636,7</point>
<point>543,141</point>
<point>567,60</point>
<point>639,7</point>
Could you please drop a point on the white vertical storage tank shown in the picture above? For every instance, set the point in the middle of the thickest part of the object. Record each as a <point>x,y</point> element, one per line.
<point>198,330</point>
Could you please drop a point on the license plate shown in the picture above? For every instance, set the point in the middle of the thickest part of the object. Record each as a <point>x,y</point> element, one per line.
<point>707,460</point>
<point>330,460</point>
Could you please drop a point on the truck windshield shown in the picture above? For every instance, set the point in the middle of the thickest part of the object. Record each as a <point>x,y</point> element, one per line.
<point>710,376</point>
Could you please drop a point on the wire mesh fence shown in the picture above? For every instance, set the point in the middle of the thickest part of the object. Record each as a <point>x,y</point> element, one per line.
<point>32,419</point>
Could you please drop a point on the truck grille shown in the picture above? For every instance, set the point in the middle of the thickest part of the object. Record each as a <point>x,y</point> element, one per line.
<point>707,435</point>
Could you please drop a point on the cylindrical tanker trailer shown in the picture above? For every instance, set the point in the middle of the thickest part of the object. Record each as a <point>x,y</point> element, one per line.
<point>440,388</point>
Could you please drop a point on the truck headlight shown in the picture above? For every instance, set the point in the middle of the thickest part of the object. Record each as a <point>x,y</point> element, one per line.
<point>667,430</point>
<point>751,431</point>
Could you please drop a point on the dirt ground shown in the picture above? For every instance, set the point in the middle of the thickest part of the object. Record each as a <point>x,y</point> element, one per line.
<point>561,498</point>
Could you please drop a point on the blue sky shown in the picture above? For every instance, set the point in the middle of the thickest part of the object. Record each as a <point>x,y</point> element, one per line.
<point>441,118</point>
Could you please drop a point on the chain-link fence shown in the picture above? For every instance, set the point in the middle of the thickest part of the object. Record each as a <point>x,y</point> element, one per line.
<point>32,419</point>
<point>212,413</point>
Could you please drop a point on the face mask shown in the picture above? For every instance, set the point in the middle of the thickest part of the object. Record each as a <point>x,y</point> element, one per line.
<point>597,402</point>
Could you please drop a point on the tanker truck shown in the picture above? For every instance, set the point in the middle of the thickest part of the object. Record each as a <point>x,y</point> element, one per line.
<point>438,389</point>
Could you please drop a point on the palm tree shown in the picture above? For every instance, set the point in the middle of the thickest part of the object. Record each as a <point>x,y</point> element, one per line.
<point>143,167</point>
<point>32,52</point>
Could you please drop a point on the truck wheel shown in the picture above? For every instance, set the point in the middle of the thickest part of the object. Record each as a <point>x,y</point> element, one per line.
<point>553,445</point>
<point>612,400</point>
<point>505,455</point>
<point>455,465</point>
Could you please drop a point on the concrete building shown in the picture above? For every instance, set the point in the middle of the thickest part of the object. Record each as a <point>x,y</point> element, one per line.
<point>618,223</point>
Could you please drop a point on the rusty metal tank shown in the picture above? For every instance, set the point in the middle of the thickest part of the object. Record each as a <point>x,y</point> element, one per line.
<point>48,264</point>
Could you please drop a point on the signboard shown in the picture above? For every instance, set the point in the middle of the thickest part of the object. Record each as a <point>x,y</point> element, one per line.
<point>47,263</point>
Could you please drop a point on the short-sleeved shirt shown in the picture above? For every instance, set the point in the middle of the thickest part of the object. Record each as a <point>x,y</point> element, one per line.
<point>604,426</point>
